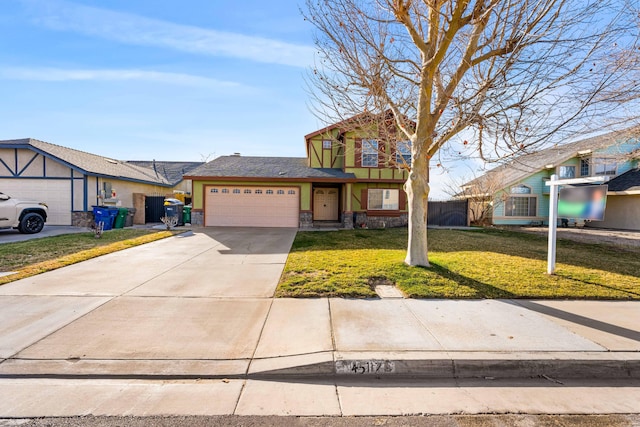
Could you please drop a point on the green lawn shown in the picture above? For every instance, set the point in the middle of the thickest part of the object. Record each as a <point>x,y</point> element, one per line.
<point>48,253</point>
<point>484,263</point>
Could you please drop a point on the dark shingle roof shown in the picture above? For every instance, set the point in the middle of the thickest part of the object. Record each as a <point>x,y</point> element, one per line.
<point>628,181</point>
<point>90,163</point>
<point>265,167</point>
<point>173,171</point>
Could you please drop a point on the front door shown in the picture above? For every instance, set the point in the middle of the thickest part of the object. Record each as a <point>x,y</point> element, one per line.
<point>325,204</point>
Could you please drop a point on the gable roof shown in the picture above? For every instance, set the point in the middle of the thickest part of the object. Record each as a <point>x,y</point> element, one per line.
<point>88,163</point>
<point>282,168</point>
<point>628,181</point>
<point>357,120</point>
<point>528,164</point>
<point>173,171</point>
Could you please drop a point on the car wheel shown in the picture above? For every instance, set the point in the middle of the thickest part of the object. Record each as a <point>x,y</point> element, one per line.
<point>31,223</point>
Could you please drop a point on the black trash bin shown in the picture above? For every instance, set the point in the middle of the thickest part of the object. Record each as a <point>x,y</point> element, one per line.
<point>174,207</point>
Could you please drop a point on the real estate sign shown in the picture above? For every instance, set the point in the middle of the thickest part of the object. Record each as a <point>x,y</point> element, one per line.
<point>585,202</point>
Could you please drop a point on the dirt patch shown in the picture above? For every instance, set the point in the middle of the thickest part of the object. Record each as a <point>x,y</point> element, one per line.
<point>379,281</point>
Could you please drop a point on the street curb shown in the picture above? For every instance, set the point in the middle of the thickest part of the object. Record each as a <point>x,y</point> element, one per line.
<point>474,365</point>
<point>427,365</point>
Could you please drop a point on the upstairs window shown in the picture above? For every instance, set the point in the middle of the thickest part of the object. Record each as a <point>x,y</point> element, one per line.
<point>585,167</point>
<point>369,153</point>
<point>403,153</point>
<point>326,144</point>
<point>605,166</point>
<point>567,172</point>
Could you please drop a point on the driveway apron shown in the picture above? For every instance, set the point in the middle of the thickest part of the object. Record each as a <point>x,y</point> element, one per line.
<point>199,296</point>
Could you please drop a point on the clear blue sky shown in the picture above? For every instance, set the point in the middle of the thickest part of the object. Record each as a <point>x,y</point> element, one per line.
<point>157,79</point>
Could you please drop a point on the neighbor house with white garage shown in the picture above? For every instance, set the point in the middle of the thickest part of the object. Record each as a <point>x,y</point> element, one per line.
<point>70,181</point>
<point>350,177</point>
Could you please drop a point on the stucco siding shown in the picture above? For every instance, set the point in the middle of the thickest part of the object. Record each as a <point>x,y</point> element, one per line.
<point>622,212</point>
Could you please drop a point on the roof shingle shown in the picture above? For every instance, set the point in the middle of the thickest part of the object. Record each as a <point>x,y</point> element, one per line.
<point>173,171</point>
<point>91,163</point>
<point>265,167</point>
<point>628,181</point>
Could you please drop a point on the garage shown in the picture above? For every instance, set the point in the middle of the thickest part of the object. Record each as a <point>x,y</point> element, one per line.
<point>252,206</point>
<point>56,193</point>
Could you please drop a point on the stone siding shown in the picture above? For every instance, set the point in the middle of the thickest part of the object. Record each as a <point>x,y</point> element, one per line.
<point>365,221</point>
<point>347,220</point>
<point>197,217</point>
<point>82,219</point>
<point>306,220</point>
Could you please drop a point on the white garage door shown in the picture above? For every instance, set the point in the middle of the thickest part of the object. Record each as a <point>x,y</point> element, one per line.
<point>54,192</point>
<point>252,206</point>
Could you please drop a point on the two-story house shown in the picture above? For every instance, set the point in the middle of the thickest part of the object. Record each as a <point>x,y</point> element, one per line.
<point>350,177</point>
<point>519,195</point>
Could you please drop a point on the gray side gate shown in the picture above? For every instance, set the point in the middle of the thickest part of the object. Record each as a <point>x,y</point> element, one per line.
<point>452,213</point>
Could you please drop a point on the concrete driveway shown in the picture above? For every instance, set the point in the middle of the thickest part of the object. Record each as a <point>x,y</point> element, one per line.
<point>10,235</point>
<point>201,295</point>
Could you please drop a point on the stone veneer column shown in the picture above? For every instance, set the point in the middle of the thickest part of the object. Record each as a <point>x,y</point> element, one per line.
<point>306,219</point>
<point>347,220</point>
<point>197,217</point>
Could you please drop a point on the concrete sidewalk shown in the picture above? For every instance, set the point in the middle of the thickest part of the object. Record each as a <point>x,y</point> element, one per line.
<point>200,306</point>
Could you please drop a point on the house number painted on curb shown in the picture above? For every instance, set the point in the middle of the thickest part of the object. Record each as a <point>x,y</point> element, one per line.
<point>365,367</point>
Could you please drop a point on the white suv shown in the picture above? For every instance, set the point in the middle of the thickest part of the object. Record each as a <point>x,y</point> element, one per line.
<point>27,216</point>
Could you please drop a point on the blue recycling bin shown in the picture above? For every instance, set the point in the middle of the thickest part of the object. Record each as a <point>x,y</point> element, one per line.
<point>113,213</point>
<point>104,215</point>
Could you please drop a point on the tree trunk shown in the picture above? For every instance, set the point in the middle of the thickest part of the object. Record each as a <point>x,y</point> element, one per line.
<point>417,189</point>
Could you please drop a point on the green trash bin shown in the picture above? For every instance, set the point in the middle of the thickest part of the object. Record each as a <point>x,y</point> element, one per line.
<point>186,214</point>
<point>121,218</point>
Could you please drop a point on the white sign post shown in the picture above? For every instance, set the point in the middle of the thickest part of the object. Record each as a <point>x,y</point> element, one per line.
<point>554,183</point>
<point>553,223</point>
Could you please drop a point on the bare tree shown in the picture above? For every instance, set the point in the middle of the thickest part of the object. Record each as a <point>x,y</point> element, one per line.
<point>513,73</point>
<point>480,192</point>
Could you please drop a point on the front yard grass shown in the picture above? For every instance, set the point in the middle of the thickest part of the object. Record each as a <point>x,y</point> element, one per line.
<point>483,263</point>
<point>36,256</point>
